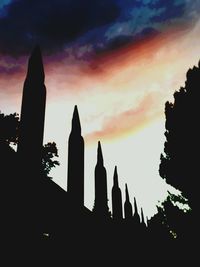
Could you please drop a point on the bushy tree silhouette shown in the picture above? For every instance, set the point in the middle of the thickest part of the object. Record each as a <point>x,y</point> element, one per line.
<point>172,219</point>
<point>179,163</point>
<point>48,153</point>
<point>158,227</point>
<point>8,136</point>
<point>9,125</point>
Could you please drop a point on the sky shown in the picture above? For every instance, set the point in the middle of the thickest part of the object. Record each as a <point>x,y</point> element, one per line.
<point>119,61</point>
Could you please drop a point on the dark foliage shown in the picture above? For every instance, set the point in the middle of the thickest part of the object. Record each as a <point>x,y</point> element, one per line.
<point>48,153</point>
<point>179,163</point>
<point>171,220</point>
<point>9,125</point>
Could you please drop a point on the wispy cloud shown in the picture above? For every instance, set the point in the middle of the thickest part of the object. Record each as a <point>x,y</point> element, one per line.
<point>127,121</point>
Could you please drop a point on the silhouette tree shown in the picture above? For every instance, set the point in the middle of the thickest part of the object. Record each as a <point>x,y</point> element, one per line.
<point>157,225</point>
<point>177,217</point>
<point>8,136</point>
<point>9,125</point>
<point>171,220</point>
<point>48,153</point>
<point>179,162</point>
<point>9,128</point>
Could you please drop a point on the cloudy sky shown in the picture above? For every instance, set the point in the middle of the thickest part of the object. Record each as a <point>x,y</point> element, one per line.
<point>119,61</point>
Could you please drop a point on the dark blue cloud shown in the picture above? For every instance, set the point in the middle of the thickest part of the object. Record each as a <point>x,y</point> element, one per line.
<point>143,18</point>
<point>100,24</point>
<point>172,9</point>
<point>51,23</point>
<point>3,4</point>
<point>136,15</point>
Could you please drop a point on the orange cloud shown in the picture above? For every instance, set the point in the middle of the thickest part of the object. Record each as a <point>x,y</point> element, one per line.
<point>110,61</point>
<point>128,121</point>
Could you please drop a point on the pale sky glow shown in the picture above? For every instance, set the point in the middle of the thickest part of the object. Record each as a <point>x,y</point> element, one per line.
<point>122,105</point>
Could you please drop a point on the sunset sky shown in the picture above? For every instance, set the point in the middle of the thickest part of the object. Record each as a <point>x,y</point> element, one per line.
<point>119,61</point>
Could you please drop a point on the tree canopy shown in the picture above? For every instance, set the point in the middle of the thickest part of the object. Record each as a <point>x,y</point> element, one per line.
<point>179,162</point>
<point>9,125</point>
<point>48,153</point>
